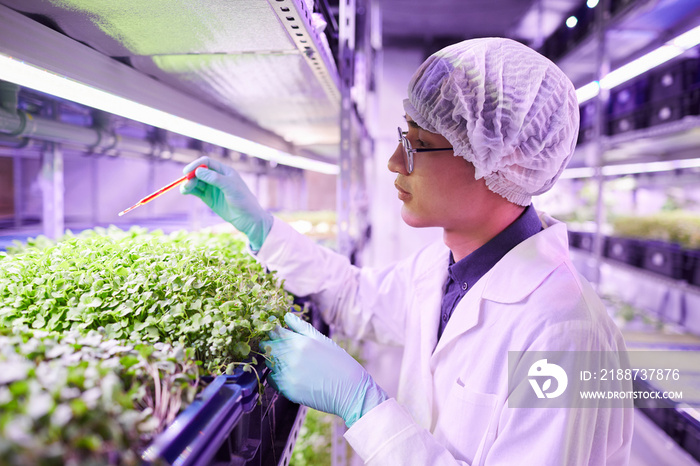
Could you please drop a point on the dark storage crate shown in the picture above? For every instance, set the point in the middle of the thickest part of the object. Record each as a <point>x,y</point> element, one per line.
<point>281,421</point>
<point>581,240</point>
<point>586,242</point>
<point>628,98</point>
<point>669,109</point>
<point>247,434</point>
<point>197,434</point>
<point>224,425</point>
<point>587,113</point>
<point>691,437</point>
<point>627,122</point>
<point>663,258</point>
<point>659,410</point>
<point>674,80</point>
<point>585,135</point>
<point>692,266</point>
<point>574,238</point>
<point>693,102</point>
<point>683,428</point>
<point>625,250</point>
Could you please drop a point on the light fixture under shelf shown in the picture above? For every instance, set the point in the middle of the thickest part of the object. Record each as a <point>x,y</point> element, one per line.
<point>37,78</point>
<point>659,56</point>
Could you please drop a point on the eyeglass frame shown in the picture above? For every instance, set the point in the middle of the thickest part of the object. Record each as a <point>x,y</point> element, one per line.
<point>408,151</point>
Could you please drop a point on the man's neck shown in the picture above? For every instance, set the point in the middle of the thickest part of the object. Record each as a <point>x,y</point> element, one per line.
<point>464,241</point>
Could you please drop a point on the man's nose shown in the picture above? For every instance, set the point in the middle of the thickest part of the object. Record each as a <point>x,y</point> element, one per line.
<point>396,161</point>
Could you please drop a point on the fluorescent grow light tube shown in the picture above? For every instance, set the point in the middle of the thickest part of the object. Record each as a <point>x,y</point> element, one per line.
<point>666,52</point>
<point>631,168</point>
<point>588,91</point>
<point>650,167</point>
<point>580,172</point>
<point>30,76</point>
<point>640,66</point>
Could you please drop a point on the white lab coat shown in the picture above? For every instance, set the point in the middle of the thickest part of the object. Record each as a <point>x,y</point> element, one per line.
<point>451,404</point>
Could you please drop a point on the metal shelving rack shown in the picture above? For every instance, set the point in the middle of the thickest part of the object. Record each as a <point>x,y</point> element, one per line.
<point>590,60</point>
<point>604,150</point>
<point>230,422</point>
<point>670,141</point>
<point>669,302</point>
<point>355,63</point>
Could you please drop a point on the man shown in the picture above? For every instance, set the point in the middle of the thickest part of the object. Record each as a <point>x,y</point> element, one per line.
<point>490,124</point>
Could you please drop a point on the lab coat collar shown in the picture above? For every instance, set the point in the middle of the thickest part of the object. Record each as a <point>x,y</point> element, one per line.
<point>512,279</point>
<point>528,264</point>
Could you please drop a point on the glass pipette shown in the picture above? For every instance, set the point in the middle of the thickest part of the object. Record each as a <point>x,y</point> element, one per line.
<point>162,190</point>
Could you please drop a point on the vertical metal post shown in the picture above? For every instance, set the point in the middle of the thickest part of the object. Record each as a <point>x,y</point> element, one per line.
<point>338,445</point>
<point>151,185</point>
<point>303,193</point>
<point>539,38</point>
<point>9,101</point>
<point>346,49</point>
<point>94,199</point>
<point>361,227</point>
<point>346,58</point>
<point>102,122</point>
<point>603,67</point>
<point>51,183</point>
<point>346,68</point>
<point>17,186</point>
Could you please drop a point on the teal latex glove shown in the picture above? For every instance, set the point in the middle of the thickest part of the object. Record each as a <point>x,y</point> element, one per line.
<point>225,192</point>
<point>311,369</point>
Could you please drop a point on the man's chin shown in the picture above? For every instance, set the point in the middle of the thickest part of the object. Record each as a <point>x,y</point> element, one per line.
<point>414,220</point>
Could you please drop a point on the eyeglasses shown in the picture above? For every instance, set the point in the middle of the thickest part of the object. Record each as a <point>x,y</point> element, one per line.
<point>408,151</point>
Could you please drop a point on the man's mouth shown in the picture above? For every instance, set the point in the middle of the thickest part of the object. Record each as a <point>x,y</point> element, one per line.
<point>403,194</point>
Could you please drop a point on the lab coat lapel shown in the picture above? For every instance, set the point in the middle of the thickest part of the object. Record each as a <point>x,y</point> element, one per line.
<point>429,294</point>
<point>464,317</point>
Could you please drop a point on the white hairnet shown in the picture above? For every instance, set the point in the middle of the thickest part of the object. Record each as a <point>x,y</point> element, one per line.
<point>505,108</point>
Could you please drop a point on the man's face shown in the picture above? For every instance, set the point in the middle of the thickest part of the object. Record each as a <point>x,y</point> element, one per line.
<point>441,191</point>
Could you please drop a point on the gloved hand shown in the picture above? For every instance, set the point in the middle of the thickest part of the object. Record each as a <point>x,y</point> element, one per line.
<point>311,369</point>
<point>223,189</point>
